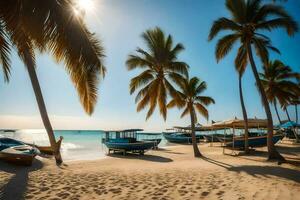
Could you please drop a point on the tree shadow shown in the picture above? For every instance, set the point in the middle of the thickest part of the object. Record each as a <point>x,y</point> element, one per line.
<point>265,171</point>
<point>16,187</point>
<point>215,162</point>
<point>290,153</point>
<point>293,150</point>
<point>169,151</point>
<point>146,157</point>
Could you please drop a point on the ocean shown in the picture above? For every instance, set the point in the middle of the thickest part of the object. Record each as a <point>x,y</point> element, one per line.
<point>77,144</point>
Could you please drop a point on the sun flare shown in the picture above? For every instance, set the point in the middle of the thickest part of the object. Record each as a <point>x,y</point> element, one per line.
<point>84,5</point>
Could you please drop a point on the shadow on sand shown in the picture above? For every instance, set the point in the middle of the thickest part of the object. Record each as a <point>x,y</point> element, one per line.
<point>215,162</point>
<point>253,170</point>
<point>16,187</point>
<point>169,151</point>
<point>292,150</point>
<point>145,157</point>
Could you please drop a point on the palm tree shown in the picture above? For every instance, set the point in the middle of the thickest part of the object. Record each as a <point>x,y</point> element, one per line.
<point>160,66</point>
<point>248,17</point>
<point>278,82</point>
<point>189,98</point>
<point>51,26</point>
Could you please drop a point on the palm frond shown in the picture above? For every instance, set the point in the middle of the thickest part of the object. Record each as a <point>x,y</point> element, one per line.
<point>224,45</point>
<point>238,10</point>
<point>222,24</point>
<point>140,80</point>
<point>201,87</point>
<point>241,60</point>
<point>162,101</point>
<point>177,67</point>
<point>202,110</point>
<point>205,100</point>
<point>288,24</point>
<point>185,112</point>
<point>4,53</point>
<point>134,62</point>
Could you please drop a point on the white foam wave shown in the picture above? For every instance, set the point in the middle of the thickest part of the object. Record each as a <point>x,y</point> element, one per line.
<point>65,146</point>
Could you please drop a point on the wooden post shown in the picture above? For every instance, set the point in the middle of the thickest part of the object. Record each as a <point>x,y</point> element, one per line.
<point>233,131</point>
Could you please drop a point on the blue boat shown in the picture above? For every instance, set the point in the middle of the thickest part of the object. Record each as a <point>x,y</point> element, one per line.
<point>126,141</point>
<point>181,138</point>
<point>259,141</point>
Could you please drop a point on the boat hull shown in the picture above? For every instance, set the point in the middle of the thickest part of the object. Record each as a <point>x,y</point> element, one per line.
<point>179,139</point>
<point>18,156</point>
<point>260,141</point>
<point>134,147</point>
<point>45,150</point>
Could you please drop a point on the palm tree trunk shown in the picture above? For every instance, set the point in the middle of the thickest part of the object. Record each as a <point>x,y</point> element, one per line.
<point>194,141</point>
<point>244,114</point>
<point>287,114</point>
<point>41,104</point>
<point>273,153</point>
<point>296,112</point>
<point>275,106</point>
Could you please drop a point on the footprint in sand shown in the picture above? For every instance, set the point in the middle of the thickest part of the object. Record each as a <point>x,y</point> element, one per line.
<point>204,194</point>
<point>220,193</point>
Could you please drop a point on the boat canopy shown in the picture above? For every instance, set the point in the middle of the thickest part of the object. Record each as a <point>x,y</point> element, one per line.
<point>126,133</point>
<point>125,130</point>
<point>231,123</point>
<point>240,123</point>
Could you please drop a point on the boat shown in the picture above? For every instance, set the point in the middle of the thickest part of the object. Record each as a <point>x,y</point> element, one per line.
<point>45,149</point>
<point>17,152</point>
<point>259,141</point>
<point>181,138</point>
<point>126,141</point>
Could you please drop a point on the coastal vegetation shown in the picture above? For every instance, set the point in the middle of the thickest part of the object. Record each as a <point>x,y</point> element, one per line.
<point>52,27</point>
<point>247,25</point>
<point>190,99</point>
<point>161,69</point>
<point>279,83</point>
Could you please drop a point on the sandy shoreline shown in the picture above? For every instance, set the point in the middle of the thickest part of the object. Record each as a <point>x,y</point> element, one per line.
<point>170,173</point>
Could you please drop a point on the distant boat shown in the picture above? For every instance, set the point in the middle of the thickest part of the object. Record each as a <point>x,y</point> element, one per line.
<point>9,130</point>
<point>181,138</point>
<point>259,141</point>
<point>126,141</point>
<point>16,152</point>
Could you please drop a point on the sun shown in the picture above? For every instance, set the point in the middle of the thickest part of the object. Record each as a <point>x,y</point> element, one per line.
<point>84,5</point>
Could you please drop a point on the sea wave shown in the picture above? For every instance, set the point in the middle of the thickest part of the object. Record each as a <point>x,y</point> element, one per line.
<point>65,146</point>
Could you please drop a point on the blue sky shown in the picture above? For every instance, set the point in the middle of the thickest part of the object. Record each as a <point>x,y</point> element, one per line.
<point>119,24</point>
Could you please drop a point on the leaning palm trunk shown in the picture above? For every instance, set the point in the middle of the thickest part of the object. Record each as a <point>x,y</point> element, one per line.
<point>273,153</point>
<point>244,114</point>
<point>41,104</point>
<point>276,110</point>
<point>194,141</point>
<point>287,114</point>
<point>296,112</point>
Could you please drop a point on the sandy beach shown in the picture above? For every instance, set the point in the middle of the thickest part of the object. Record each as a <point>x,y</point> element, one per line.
<point>170,173</point>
